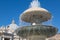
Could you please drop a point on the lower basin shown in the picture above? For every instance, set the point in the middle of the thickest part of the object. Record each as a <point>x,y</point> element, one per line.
<point>45,30</point>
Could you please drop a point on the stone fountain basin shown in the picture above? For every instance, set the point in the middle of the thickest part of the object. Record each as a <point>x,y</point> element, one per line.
<point>46,30</point>
<point>35,14</point>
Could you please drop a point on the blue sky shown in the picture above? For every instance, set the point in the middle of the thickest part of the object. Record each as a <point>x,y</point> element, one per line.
<point>11,9</point>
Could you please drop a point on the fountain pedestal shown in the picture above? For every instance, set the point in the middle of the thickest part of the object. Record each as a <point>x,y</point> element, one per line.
<point>40,37</point>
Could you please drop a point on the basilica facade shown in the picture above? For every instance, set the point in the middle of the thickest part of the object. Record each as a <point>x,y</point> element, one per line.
<point>7,33</point>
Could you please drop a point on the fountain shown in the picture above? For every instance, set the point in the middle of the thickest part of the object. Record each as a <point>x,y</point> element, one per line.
<point>36,15</point>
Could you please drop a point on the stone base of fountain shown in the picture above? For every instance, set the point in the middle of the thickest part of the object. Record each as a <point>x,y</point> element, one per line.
<point>42,37</point>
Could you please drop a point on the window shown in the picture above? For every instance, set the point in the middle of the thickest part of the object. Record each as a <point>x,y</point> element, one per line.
<point>6,38</point>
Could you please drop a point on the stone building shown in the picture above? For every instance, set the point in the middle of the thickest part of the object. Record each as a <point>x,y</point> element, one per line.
<point>7,33</point>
